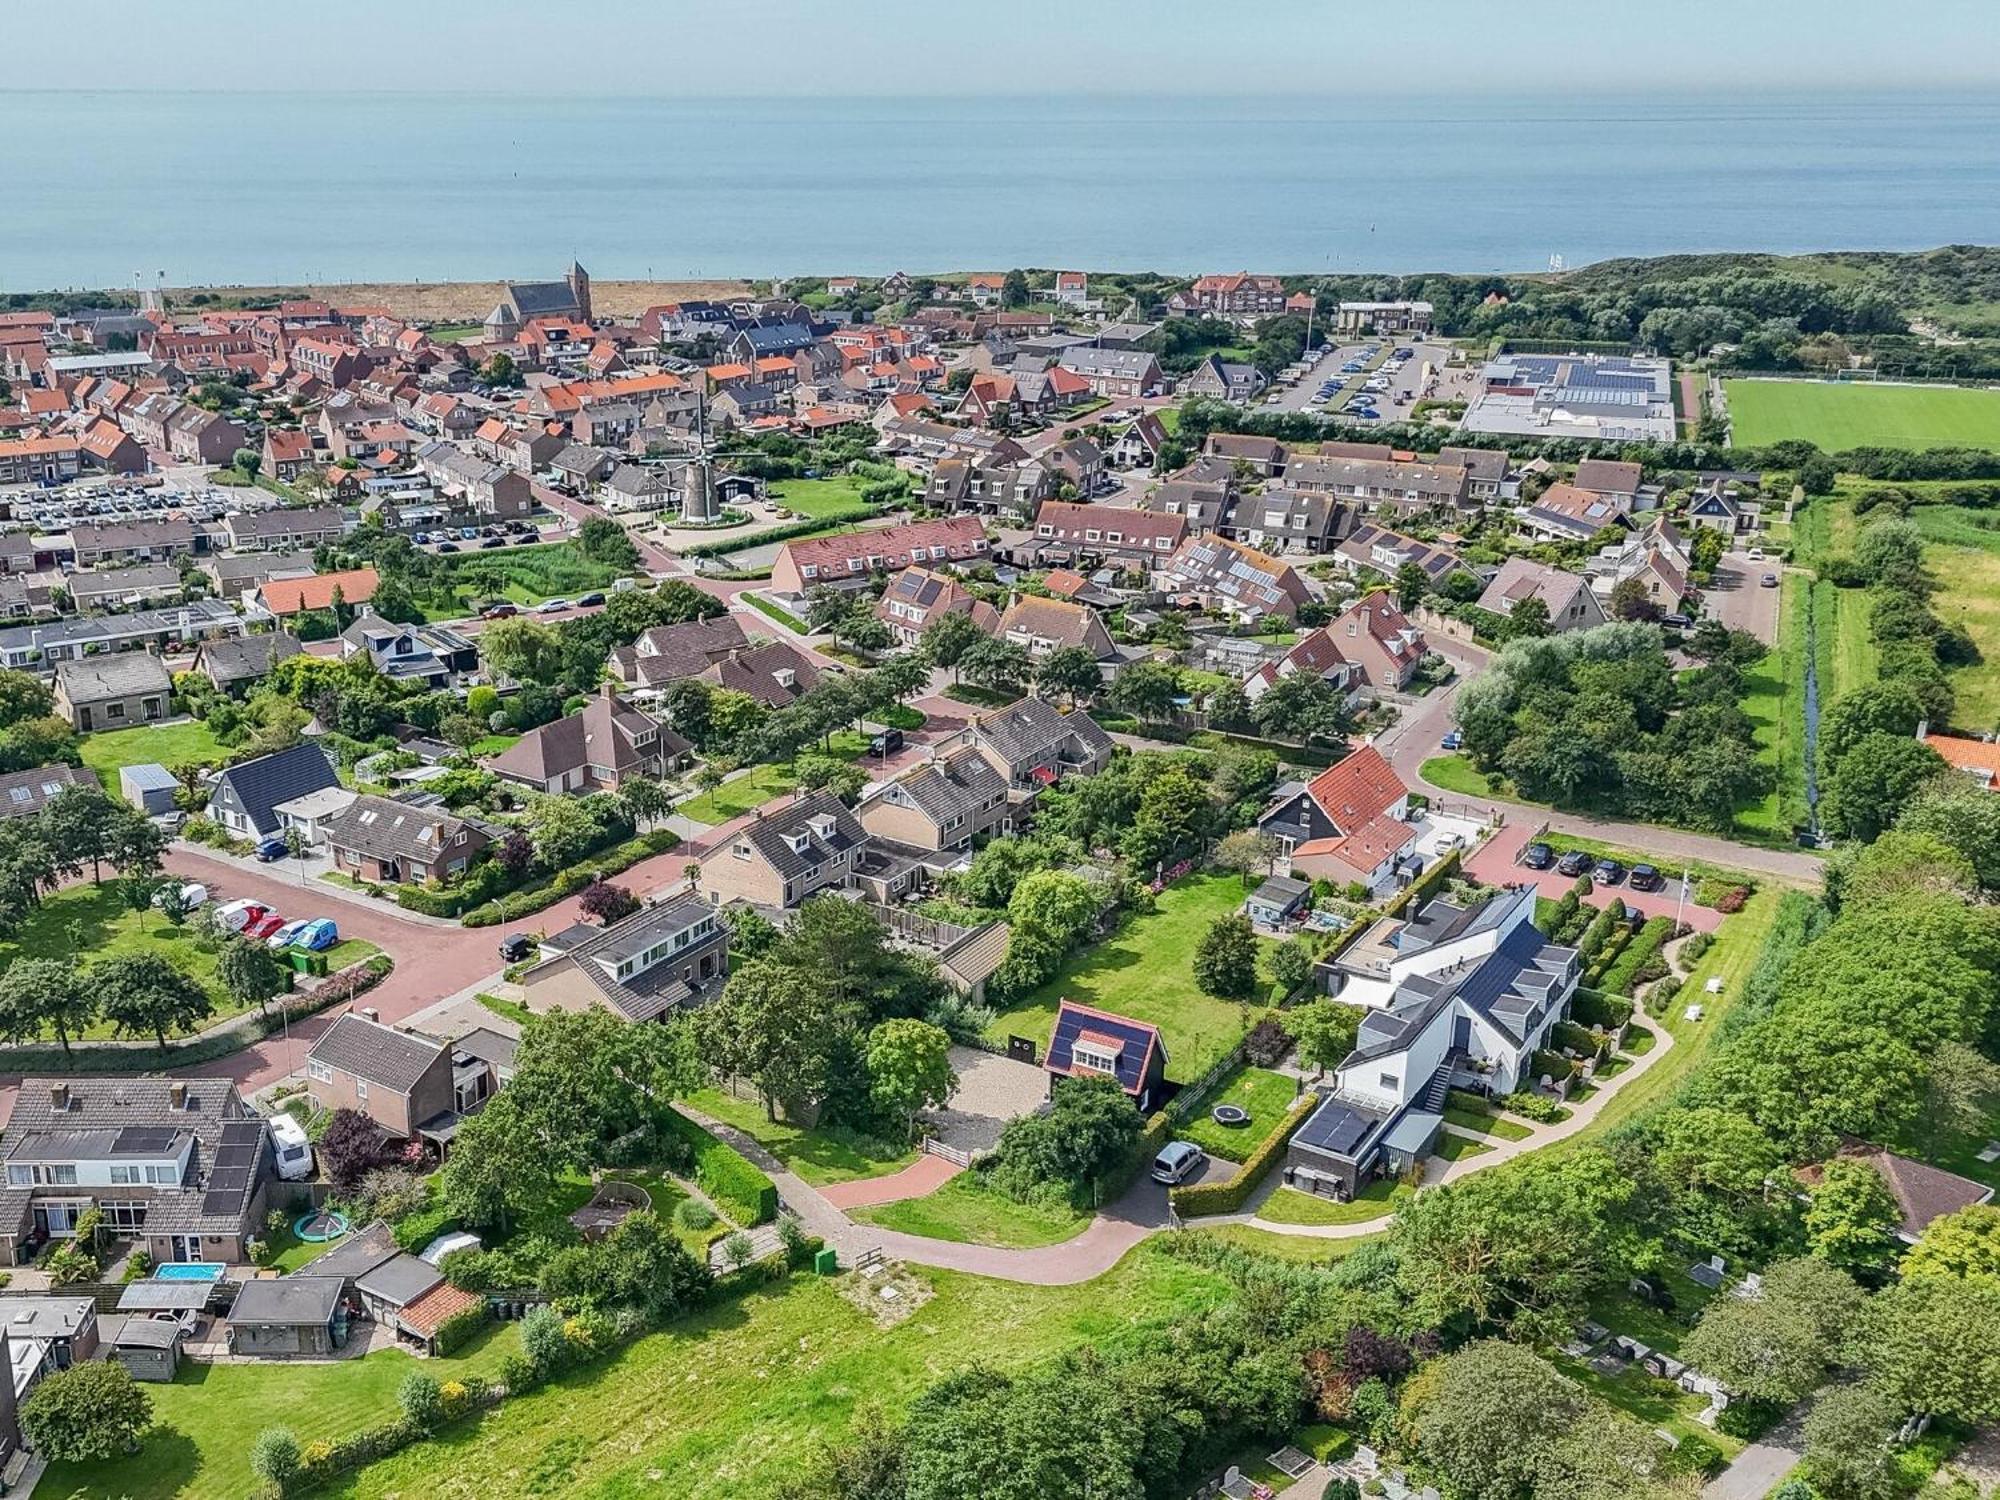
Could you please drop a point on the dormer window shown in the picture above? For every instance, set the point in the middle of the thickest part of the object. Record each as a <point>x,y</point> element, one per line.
<point>1093,1056</point>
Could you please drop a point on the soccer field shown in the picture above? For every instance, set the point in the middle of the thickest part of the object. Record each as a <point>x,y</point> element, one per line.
<point>1839,417</point>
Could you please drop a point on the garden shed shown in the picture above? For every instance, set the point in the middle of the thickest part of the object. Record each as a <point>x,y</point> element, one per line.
<point>148,1347</point>
<point>295,1315</point>
<point>149,787</point>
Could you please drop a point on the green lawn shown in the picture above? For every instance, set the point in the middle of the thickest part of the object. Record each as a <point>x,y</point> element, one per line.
<point>453,333</point>
<point>88,923</point>
<point>492,744</point>
<point>1963,551</point>
<point>524,575</point>
<point>1485,1124</point>
<point>1145,971</point>
<point>967,1212</point>
<point>1659,1404</point>
<point>772,611</point>
<point>1838,417</point>
<point>1304,1249</point>
<point>1264,1094</point>
<point>1378,1199</point>
<point>1451,1147</point>
<point>184,743</point>
<point>348,951</point>
<point>732,1401</point>
<point>206,1419</point>
<point>734,798</point>
<point>816,499</point>
<point>1774,701</point>
<point>818,1156</point>
<point>507,1010</point>
<point>1454,772</point>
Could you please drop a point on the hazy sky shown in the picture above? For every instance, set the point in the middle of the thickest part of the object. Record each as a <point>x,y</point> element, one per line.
<point>867,47</point>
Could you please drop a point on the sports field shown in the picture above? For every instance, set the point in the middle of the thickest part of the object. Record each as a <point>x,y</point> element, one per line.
<point>1839,417</point>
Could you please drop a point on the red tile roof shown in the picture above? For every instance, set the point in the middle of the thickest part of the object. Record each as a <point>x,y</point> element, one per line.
<point>285,596</point>
<point>1357,790</point>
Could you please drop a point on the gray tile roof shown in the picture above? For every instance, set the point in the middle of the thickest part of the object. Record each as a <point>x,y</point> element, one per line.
<point>399,1281</point>
<point>772,836</point>
<point>380,826</point>
<point>24,792</point>
<point>122,674</point>
<point>1024,730</point>
<point>247,658</point>
<point>956,785</point>
<point>651,992</point>
<point>375,1053</point>
<point>255,787</point>
<point>300,1300</point>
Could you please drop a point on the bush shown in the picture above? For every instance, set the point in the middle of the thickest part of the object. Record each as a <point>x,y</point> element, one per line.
<point>1267,1043</point>
<point>1595,1008</point>
<point>1695,1455</point>
<point>418,1228</point>
<point>1748,1420</point>
<point>1693,949</point>
<point>543,1343</point>
<point>1228,1197</point>
<point>275,1457</point>
<point>1640,962</point>
<point>693,1214</point>
<point>1574,1038</point>
<point>1537,1107</point>
<point>735,1183</point>
<point>423,1405</point>
<point>1545,1063</point>
<point>459,1329</point>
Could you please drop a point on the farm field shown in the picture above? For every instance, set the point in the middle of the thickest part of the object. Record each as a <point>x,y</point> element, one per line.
<point>1963,550</point>
<point>731,1401</point>
<point>1145,970</point>
<point>1838,417</point>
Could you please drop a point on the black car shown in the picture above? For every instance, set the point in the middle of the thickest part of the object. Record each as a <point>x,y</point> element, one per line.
<point>1607,872</point>
<point>1538,856</point>
<point>589,601</point>
<point>888,742</point>
<point>1634,918</point>
<point>1646,878</point>
<point>1576,862</point>
<point>517,948</point>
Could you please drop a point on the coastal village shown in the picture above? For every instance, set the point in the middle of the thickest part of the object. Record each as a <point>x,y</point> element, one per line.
<point>888,807</point>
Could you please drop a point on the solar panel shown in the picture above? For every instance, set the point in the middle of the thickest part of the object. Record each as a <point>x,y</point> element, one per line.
<point>143,1138</point>
<point>235,1155</point>
<point>242,1132</point>
<point>1334,1127</point>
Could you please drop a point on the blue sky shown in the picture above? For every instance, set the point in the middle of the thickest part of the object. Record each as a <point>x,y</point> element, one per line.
<point>866,47</point>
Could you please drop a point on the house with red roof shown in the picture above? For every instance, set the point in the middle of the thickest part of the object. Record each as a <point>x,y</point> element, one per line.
<point>1315,652</point>
<point>853,557</point>
<point>1350,824</point>
<point>1373,633</point>
<point>1979,759</point>
<point>1089,1043</point>
<point>281,597</point>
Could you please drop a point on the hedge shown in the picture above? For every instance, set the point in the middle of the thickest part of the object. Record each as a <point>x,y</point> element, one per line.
<point>1551,1065</point>
<point>1596,1008</point>
<point>738,1186</point>
<point>1227,1197</point>
<point>806,527</point>
<point>1625,973</point>
<point>530,899</point>
<point>1575,1038</point>
<point>1424,884</point>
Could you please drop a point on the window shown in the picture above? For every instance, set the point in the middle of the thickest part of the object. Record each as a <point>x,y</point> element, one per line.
<point>1093,1057</point>
<point>19,1177</point>
<point>318,1071</point>
<point>159,1176</point>
<point>1387,1080</point>
<point>361,1089</point>
<point>125,1176</point>
<point>124,1216</point>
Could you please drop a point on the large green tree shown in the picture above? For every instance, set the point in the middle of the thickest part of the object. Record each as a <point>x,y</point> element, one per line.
<point>909,1070</point>
<point>1225,960</point>
<point>142,992</point>
<point>1489,1416</point>
<point>45,994</point>
<point>90,1413</point>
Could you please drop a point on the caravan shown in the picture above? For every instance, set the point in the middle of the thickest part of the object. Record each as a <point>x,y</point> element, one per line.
<point>291,1147</point>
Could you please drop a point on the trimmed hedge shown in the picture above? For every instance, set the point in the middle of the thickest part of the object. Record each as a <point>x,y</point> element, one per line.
<point>1552,1065</point>
<point>1228,1197</point>
<point>729,1177</point>
<point>1628,970</point>
<point>1596,1008</point>
<point>791,529</point>
<point>530,899</point>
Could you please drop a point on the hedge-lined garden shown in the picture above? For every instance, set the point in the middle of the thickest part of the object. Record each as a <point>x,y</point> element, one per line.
<point>739,1187</point>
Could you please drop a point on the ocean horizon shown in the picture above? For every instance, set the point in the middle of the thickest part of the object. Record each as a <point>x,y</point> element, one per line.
<point>117,188</point>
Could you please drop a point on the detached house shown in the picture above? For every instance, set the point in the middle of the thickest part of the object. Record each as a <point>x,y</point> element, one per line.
<point>246,797</point>
<point>1241,581</point>
<point>938,807</point>
<point>604,744</point>
<point>918,596</point>
<point>1042,626</point>
<point>414,1087</point>
<point>379,840</point>
<point>1316,652</point>
<point>1086,1042</point>
<point>1139,446</point>
<point>1222,381</point>
<point>1033,744</point>
<point>1373,633</point>
<point>1567,597</point>
<point>1565,512</point>
<point>1349,824</point>
<point>660,960</point>
<point>113,692</point>
<point>781,857</point>
<point>669,653</point>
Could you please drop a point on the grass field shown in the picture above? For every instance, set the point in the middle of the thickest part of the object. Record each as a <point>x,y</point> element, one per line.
<point>818,1156</point>
<point>1838,417</point>
<point>184,743</point>
<point>206,1419</point>
<point>1145,970</point>
<point>818,498</point>
<point>1378,1199</point>
<point>87,923</point>
<point>784,617</point>
<point>1774,701</point>
<point>1262,1094</point>
<point>525,575</point>
<point>1963,550</point>
<point>734,798</point>
<point>967,1212</point>
<point>732,1401</point>
<point>1485,1123</point>
<point>1454,772</point>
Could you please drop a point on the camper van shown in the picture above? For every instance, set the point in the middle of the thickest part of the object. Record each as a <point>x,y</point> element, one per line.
<point>293,1150</point>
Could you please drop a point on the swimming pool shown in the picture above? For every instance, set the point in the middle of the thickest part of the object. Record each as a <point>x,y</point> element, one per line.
<point>191,1270</point>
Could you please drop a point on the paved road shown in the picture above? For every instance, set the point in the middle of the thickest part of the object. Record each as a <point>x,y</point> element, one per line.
<point>1755,1472</point>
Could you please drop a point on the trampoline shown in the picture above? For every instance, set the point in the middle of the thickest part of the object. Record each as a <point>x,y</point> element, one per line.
<point>318,1227</point>
<point>1230,1114</point>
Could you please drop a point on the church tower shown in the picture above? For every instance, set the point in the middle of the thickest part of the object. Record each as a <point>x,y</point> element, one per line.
<point>579,286</point>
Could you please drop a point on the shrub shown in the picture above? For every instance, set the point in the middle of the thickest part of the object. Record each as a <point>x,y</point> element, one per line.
<point>458,1330</point>
<point>693,1214</point>
<point>1692,950</point>
<point>736,1250</point>
<point>418,1227</point>
<point>1595,1008</point>
<point>1533,1106</point>
<point>796,1242</point>
<point>1574,1038</point>
<point>275,1457</point>
<point>1732,901</point>
<point>1695,1455</point>
<point>543,1344</point>
<point>1553,1065</point>
<point>422,1402</point>
<point>1748,1420</point>
<point>1267,1043</point>
<point>1227,1197</point>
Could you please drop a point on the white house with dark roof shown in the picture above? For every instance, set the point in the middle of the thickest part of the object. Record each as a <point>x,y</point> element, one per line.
<point>663,958</point>
<point>245,797</point>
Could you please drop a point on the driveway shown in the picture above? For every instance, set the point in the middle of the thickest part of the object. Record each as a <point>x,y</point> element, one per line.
<point>1737,599</point>
<point>1755,1472</point>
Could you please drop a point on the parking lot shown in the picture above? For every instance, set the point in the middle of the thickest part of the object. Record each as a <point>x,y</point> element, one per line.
<point>1498,862</point>
<point>1413,379</point>
<point>1736,595</point>
<point>97,503</point>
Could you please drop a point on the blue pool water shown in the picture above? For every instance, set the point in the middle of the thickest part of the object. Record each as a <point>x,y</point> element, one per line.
<point>193,1270</point>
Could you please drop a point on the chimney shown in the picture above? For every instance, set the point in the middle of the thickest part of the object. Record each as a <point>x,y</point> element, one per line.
<point>59,1096</point>
<point>177,1095</point>
<point>370,1013</point>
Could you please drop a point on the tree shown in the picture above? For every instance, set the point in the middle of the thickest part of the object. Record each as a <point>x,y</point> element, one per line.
<point>1246,851</point>
<point>1014,289</point>
<point>523,649</point>
<point>1891,708</point>
<point>350,1145</point>
<point>251,972</point>
<point>1932,1344</point>
<point>1965,815</point>
<point>38,993</point>
<point>142,992</point>
<point>770,1028</point>
<point>1323,1032</point>
<point>1411,585</point>
<point>909,1070</point>
<point>1527,620</point>
<point>1225,961</point>
<point>1146,690</point>
<point>500,371</point>
<point>1070,672</point>
<point>1291,964</point>
<point>1301,706</point>
<point>994,663</point>
<point>1757,1348</point>
<point>247,461</point>
<point>1959,1094</point>
<point>603,540</point>
<point>1630,601</point>
<point>1962,1244</point>
<point>23,695</point>
<point>1850,1443</point>
<point>88,1413</point>
<point>948,637</point>
<point>1851,1216</point>
<point>605,902</point>
<point>1087,1134</point>
<point>1875,779</point>
<point>1487,1417</point>
<point>562,829</point>
<point>275,1457</point>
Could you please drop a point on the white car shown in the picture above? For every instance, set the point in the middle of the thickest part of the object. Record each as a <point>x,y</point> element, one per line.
<point>552,606</point>
<point>1755,554</point>
<point>192,895</point>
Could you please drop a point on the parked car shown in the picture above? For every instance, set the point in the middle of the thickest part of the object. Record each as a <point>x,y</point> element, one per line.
<point>1538,856</point>
<point>1768,581</point>
<point>1755,554</point>
<point>317,935</point>
<point>493,541</point>
<point>1576,862</point>
<point>888,742</point>
<point>261,929</point>
<point>1452,740</point>
<point>271,847</point>
<point>500,611</point>
<point>193,894</point>
<point>552,606</point>
<point>590,601</point>
<point>447,546</point>
<point>1179,1161</point>
<point>1607,871</point>
<point>286,934</point>
<point>1646,878</point>
<point>517,948</point>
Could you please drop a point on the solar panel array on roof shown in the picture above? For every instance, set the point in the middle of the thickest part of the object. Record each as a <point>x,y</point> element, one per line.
<point>225,1189</point>
<point>244,1132</point>
<point>1336,1128</point>
<point>138,1139</point>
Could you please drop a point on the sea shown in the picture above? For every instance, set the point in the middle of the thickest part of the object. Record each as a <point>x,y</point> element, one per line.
<point>134,188</point>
